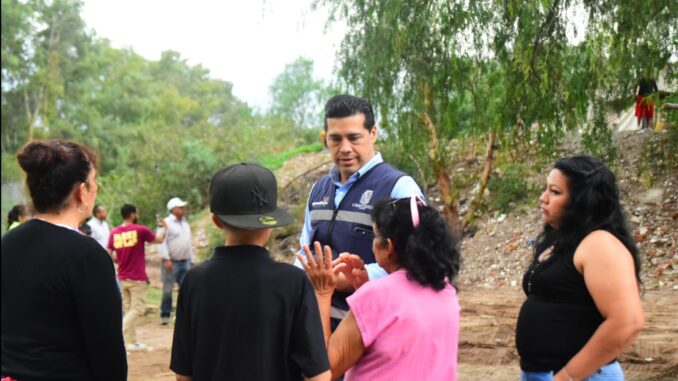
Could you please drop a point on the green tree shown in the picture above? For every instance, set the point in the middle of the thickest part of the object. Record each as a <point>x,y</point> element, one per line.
<point>43,40</point>
<point>297,96</point>
<point>441,69</point>
<point>161,128</point>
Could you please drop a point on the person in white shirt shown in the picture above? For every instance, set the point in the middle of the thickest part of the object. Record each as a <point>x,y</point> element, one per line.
<point>100,228</point>
<point>176,253</point>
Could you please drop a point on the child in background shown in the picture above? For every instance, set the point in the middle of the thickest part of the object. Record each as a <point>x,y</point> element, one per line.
<point>18,214</point>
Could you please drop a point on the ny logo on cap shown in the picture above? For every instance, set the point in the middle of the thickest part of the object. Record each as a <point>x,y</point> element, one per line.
<point>258,197</point>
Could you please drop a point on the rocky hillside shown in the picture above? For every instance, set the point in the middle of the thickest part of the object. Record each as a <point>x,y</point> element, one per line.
<point>497,254</point>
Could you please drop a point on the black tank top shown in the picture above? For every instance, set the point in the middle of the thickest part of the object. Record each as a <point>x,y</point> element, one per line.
<point>558,317</point>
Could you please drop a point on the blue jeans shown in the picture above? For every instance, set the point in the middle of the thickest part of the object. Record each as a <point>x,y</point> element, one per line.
<point>609,372</point>
<point>179,270</point>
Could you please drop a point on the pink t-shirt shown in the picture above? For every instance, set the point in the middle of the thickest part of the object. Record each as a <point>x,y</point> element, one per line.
<point>128,242</point>
<point>410,332</point>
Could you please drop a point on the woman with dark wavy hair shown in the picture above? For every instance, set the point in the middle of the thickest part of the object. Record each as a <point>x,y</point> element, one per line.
<point>583,304</point>
<point>61,308</point>
<point>404,326</point>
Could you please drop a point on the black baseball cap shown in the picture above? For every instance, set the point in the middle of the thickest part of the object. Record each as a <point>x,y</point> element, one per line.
<point>245,195</point>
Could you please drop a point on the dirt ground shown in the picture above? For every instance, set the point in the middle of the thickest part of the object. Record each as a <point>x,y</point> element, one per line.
<point>487,350</point>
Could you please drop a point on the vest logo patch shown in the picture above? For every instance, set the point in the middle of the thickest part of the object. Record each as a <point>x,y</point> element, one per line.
<point>364,200</point>
<point>324,202</point>
<point>367,195</point>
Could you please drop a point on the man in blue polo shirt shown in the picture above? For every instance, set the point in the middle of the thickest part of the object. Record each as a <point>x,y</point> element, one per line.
<point>340,203</point>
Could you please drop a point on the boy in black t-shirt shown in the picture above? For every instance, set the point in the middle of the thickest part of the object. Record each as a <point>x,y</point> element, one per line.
<point>241,315</point>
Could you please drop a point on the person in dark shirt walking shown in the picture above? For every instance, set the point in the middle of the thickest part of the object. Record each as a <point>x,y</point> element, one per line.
<point>61,308</point>
<point>583,303</point>
<point>241,315</point>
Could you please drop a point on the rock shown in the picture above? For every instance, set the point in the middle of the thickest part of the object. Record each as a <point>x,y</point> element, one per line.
<point>475,189</point>
<point>635,219</point>
<point>202,240</point>
<point>470,159</point>
<point>640,209</point>
<point>510,247</point>
<point>652,197</point>
<point>642,231</point>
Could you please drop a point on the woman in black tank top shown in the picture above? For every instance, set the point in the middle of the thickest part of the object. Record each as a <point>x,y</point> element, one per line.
<point>583,303</point>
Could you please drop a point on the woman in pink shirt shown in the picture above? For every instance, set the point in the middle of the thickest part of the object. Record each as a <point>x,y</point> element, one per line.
<point>404,326</point>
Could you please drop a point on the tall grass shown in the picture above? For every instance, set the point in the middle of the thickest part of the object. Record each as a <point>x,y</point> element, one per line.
<point>276,161</point>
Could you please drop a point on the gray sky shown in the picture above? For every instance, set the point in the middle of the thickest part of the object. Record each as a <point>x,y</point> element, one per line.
<point>244,42</point>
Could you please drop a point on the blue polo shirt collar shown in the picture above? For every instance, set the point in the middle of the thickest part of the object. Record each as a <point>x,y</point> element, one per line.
<point>336,176</point>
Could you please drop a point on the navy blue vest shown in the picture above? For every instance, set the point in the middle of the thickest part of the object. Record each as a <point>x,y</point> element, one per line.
<point>347,227</point>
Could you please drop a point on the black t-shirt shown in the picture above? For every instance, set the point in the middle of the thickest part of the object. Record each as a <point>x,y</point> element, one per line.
<point>61,308</point>
<point>558,317</point>
<point>243,316</point>
<point>646,87</point>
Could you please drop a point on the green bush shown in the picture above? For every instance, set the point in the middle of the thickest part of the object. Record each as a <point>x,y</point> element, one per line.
<point>549,140</point>
<point>510,188</point>
<point>597,138</point>
<point>276,161</point>
<point>410,158</point>
<point>11,172</point>
<point>154,296</point>
<point>659,154</point>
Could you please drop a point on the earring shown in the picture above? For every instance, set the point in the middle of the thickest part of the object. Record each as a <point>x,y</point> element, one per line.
<point>82,211</point>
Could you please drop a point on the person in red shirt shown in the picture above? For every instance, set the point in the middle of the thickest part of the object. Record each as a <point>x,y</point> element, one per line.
<point>127,246</point>
<point>644,105</point>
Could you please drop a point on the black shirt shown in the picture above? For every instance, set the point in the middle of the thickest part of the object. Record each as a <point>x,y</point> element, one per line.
<point>243,316</point>
<point>558,317</point>
<point>61,308</point>
<point>647,86</point>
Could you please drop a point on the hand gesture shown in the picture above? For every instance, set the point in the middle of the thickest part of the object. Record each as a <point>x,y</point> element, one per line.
<point>168,264</point>
<point>320,271</point>
<point>352,268</point>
